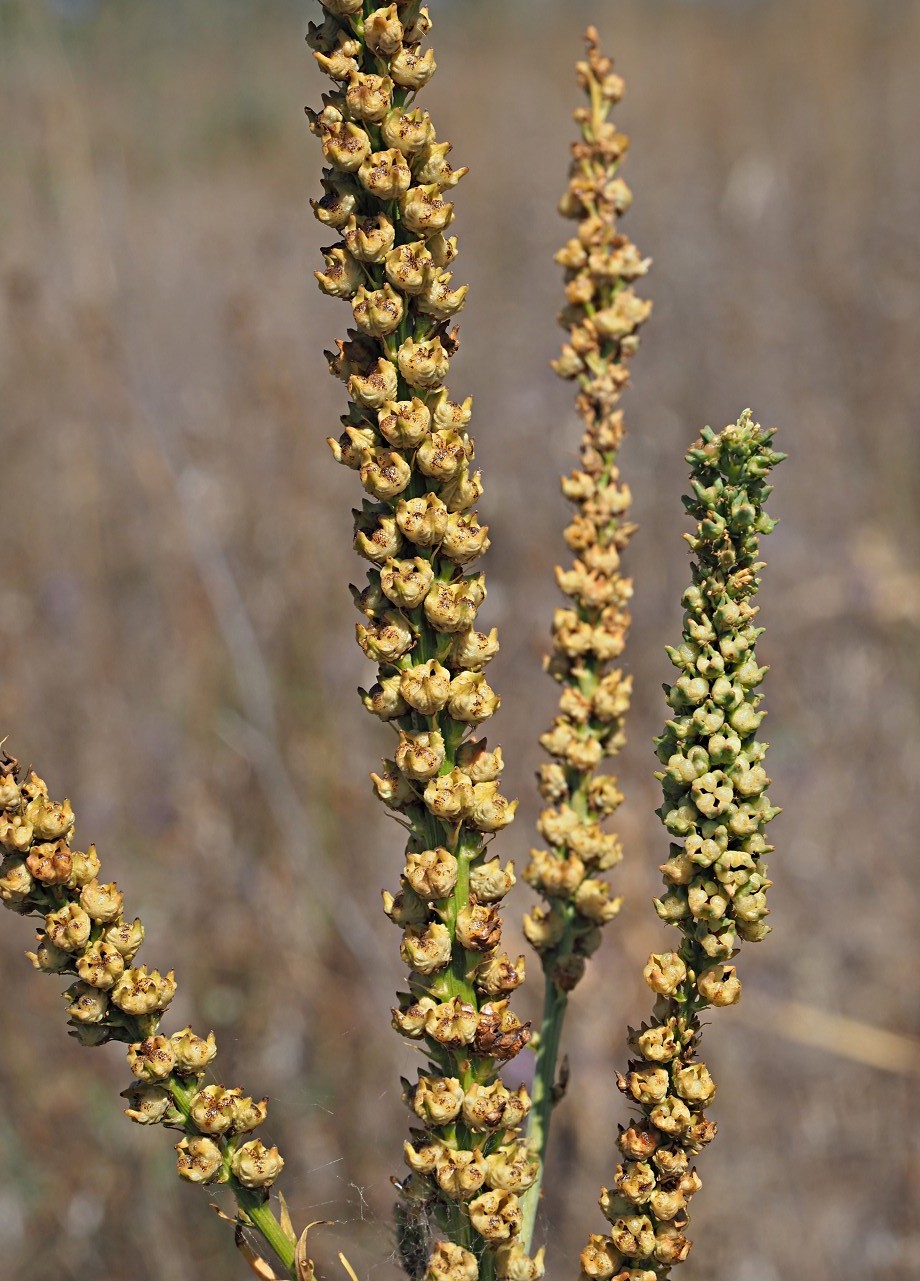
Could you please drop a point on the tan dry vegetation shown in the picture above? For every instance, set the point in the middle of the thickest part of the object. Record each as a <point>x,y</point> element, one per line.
<point>176,630</point>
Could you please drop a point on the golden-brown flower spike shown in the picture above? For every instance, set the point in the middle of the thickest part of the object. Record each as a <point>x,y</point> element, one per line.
<point>387,192</point>
<point>601,264</point>
<point>716,806</point>
<point>602,317</point>
<point>85,936</point>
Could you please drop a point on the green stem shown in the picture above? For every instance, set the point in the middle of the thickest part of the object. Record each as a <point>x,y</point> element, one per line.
<point>263,1220</point>
<point>543,1101</point>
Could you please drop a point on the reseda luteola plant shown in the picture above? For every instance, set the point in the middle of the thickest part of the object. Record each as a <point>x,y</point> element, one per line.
<point>385,196</point>
<point>468,1201</point>
<point>716,805</point>
<point>602,317</point>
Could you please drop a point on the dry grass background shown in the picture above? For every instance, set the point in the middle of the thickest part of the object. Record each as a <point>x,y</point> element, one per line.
<point>176,650</point>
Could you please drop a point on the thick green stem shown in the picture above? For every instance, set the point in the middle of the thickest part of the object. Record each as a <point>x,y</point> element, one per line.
<point>544,1100</point>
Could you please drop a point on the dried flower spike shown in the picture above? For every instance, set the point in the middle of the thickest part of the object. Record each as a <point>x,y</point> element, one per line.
<point>602,316</point>
<point>716,806</point>
<point>86,935</point>
<point>387,191</point>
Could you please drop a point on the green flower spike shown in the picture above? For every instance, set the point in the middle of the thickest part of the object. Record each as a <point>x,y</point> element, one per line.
<point>716,806</point>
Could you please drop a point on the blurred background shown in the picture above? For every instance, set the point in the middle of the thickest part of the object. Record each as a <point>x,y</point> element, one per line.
<point>176,632</point>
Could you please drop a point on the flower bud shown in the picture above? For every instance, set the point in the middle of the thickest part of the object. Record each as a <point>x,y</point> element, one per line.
<point>432,874</point>
<point>451,1024</point>
<point>634,1236</point>
<point>384,700</point>
<point>102,902</point>
<point>383,31</point>
<point>720,986</point>
<point>695,1084</point>
<point>479,927</point>
<point>15,833</point>
<point>50,959</point>
<point>490,882</point>
<point>647,1085</point>
<point>671,1246</point>
<point>101,965</point>
<point>16,882</point>
<point>406,583</point>
<point>452,607</point>
<point>378,312</point>
<point>255,1165</point>
<point>499,1032</point>
<point>198,1160</point>
<point>484,1106</point>
<point>410,1021</point>
<point>377,537</point>
<point>422,364</point>
<point>478,762</point>
<point>426,950</point>
<point>386,639</point>
<point>512,1168</point>
<point>472,699</point>
<point>671,1115</point>
<point>449,1262</point>
<point>437,1100</point>
<point>213,1109</point>
<point>87,1004</point>
<point>426,687</point>
<point>192,1053</point>
<point>431,166</point>
<point>409,268</point>
<point>126,937</point>
<point>152,1059</point>
<point>424,211</point>
<point>442,454</point>
<point>411,70</point>
<point>600,1259</point>
<point>50,821</point>
<point>665,972</point>
<point>512,1263</point>
<point>140,992</point>
<point>370,240</point>
<point>368,97</point>
<point>342,276</point>
<point>345,145</point>
<point>68,928</point>
<point>149,1105</point>
<point>499,974</point>
<point>496,1215</point>
<point>460,1174</point>
<point>465,540</point>
<point>421,755</point>
<point>544,927</point>
<point>449,797</point>
<point>423,521</point>
<point>409,132</point>
<point>393,788</point>
<point>83,867</point>
<point>593,902</point>
<point>387,176</point>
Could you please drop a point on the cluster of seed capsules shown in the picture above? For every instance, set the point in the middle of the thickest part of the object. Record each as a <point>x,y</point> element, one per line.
<point>386,186</point>
<point>716,805</point>
<point>86,935</point>
<point>603,316</point>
